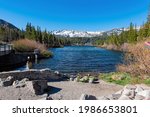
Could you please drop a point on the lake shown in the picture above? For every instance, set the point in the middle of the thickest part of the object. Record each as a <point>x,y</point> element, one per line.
<point>73,59</point>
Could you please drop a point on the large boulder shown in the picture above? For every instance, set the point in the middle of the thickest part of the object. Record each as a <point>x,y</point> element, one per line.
<point>7,82</point>
<point>38,87</point>
<point>139,89</point>
<point>145,93</point>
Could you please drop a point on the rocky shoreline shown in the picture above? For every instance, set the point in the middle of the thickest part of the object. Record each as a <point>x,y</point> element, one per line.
<point>45,84</point>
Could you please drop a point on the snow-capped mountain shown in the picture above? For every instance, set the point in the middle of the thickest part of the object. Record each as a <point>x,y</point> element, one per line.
<point>116,31</point>
<point>72,33</point>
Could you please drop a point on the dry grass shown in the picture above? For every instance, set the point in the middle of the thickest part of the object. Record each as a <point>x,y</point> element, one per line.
<point>137,60</point>
<point>26,45</point>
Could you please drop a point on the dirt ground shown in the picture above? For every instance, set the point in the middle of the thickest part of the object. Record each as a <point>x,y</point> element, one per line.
<point>61,90</point>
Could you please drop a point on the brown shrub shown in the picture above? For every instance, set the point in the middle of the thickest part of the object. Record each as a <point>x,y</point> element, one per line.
<point>26,45</point>
<point>137,60</point>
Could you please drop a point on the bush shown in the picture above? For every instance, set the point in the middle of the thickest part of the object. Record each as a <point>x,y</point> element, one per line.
<point>46,54</point>
<point>137,60</point>
<point>26,45</point>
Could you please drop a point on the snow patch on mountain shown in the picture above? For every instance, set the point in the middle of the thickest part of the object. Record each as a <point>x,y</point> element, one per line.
<point>73,33</point>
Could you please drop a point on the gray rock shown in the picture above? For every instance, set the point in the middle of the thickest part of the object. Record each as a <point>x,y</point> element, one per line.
<point>25,80</point>
<point>56,72</point>
<point>132,94</point>
<point>49,98</point>
<point>7,82</point>
<point>87,97</point>
<point>130,87</point>
<point>91,79</point>
<point>139,89</point>
<point>116,96</point>
<point>127,92</point>
<point>19,84</point>
<point>139,97</point>
<point>71,79</point>
<point>84,79</point>
<point>72,76</point>
<point>145,93</point>
<point>119,92</point>
<point>124,97</point>
<point>38,87</point>
<point>103,98</point>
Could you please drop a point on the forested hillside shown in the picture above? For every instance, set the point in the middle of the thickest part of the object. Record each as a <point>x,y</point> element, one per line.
<point>9,33</point>
<point>132,35</point>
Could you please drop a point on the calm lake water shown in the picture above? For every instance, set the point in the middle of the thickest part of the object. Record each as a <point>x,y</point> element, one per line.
<point>72,59</point>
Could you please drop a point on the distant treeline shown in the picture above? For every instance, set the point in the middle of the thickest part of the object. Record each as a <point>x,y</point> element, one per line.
<point>9,34</point>
<point>132,35</point>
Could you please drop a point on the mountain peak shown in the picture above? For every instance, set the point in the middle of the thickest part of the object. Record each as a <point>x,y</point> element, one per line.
<point>74,33</point>
<point>4,23</point>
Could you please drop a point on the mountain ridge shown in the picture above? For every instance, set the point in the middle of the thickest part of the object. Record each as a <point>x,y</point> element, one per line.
<point>4,23</point>
<point>74,33</point>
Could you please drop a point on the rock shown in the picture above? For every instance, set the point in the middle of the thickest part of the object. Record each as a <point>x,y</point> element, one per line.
<point>77,79</point>
<point>71,79</point>
<point>42,98</point>
<point>65,76</point>
<point>84,97</point>
<point>119,92</point>
<point>124,97</point>
<point>56,97</point>
<point>38,87</point>
<point>72,76</point>
<point>103,98</point>
<point>56,72</point>
<point>84,79</point>
<point>139,89</point>
<point>49,98</point>
<point>139,97</point>
<point>145,93</point>
<point>19,84</point>
<point>116,96</point>
<point>130,87</point>
<point>87,97</point>
<point>132,94</point>
<point>7,82</point>
<point>126,92</point>
<point>91,79</point>
<point>25,80</point>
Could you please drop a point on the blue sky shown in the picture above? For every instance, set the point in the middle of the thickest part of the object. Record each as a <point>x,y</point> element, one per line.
<point>91,15</point>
